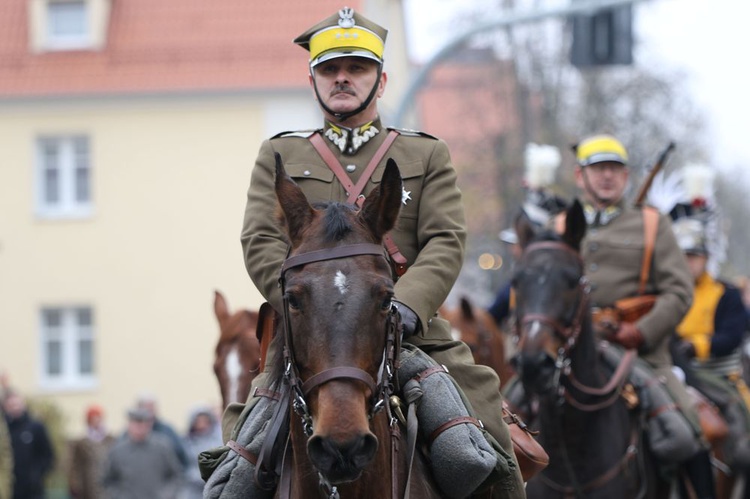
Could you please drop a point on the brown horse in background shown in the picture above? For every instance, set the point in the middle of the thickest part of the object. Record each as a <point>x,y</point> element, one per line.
<point>237,354</point>
<point>477,328</point>
<point>339,341</point>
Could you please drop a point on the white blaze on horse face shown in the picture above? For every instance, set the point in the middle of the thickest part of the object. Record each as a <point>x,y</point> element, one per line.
<point>455,334</point>
<point>234,370</point>
<point>340,282</point>
<point>534,329</point>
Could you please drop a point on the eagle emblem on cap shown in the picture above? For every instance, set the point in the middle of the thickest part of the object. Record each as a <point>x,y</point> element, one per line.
<point>346,17</point>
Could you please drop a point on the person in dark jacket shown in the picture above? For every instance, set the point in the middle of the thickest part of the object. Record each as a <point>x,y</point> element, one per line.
<point>33,455</point>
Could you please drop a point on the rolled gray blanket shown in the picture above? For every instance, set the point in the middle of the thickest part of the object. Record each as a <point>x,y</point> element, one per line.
<point>235,476</point>
<point>462,459</point>
<point>670,434</point>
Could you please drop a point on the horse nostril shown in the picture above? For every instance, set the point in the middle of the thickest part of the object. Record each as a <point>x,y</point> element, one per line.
<point>341,462</point>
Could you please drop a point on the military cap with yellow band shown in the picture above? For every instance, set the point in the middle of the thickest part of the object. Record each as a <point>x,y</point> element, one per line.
<point>343,34</point>
<point>600,148</point>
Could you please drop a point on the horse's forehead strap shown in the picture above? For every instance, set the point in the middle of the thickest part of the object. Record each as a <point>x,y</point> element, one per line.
<point>332,254</point>
<point>554,245</point>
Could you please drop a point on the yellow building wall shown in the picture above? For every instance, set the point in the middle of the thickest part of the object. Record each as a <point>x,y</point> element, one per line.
<point>170,176</point>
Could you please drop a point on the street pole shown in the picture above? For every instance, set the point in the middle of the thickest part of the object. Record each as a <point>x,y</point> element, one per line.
<point>579,7</point>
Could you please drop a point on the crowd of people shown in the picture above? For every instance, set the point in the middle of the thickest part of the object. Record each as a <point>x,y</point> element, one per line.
<point>149,459</point>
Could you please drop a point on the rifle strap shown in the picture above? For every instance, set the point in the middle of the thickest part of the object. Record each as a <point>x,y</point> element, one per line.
<point>354,192</point>
<point>650,228</point>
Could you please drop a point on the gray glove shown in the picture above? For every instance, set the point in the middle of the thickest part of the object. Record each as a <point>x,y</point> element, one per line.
<point>409,320</point>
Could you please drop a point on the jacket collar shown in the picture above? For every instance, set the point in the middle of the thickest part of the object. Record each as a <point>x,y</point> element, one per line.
<point>349,140</point>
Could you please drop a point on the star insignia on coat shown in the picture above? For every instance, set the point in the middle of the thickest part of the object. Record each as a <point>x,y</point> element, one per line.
<point>405,195</point>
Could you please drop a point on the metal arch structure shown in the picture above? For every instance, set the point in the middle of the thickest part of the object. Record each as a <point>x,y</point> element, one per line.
<point>577,7</point>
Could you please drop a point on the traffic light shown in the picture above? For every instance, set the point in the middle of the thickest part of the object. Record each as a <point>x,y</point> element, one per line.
<point>603,38</point>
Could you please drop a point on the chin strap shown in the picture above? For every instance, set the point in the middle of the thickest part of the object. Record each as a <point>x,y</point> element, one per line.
<point>342,117</point>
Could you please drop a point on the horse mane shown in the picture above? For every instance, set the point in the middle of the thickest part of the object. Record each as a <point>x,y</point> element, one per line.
<point>336,220</point>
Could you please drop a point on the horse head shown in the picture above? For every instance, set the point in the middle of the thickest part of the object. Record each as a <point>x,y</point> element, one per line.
<point>477,328</point>
<point>237,354</point>
<point>337,290</point>
<point>551,299</point>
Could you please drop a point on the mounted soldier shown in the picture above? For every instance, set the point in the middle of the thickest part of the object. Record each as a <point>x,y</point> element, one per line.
<point>708,342</point>
<point>640,283</point>
<point>342,162</point>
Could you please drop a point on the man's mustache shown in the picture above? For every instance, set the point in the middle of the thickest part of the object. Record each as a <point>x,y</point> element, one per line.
<point>342,89</point>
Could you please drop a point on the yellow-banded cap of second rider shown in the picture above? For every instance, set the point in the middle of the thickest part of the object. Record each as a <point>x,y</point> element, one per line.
<point>600,148</point>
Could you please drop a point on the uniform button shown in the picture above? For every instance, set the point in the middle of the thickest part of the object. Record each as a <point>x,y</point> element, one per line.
<point>306,173</point>
<point>593,246</point>
<point>351,168</point>
<point>593,267</point>
<point>593,286</point>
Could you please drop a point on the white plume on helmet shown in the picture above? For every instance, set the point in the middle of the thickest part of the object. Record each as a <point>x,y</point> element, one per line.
<point>689,198</point>
<point>541,162</point>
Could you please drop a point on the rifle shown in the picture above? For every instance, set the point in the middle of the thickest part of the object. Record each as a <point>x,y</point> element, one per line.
<point>651,174</point>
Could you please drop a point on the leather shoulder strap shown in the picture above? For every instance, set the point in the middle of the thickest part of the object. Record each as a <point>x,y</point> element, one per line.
<point>650,228</point>
<point>354,192</point>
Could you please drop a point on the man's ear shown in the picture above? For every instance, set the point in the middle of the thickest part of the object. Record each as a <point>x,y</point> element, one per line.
<point>383,81</point>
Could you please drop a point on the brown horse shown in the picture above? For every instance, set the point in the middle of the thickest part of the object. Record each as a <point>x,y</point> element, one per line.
<point>237,354</point>
<point>339,339</point>
<point>476,327</point>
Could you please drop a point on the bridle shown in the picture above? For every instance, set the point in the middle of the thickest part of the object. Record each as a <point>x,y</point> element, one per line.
<point>380,389</point>
<point>570,332</point>
<point>611,391</point>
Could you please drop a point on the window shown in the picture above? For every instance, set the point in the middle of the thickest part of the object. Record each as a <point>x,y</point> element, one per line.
<point>67,25</point>
<point>67,341</point>
<point>64,177</point>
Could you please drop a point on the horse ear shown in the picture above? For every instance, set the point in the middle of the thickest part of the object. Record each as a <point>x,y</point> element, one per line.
<point>221,309</point>
<point>298,213</point>
<point>575,225</point>
<point>466,310</point>
<point>524,229</point>
<point>382,206</point>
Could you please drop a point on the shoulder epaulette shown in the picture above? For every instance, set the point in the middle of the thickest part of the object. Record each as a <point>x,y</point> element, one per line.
<point>412,133</point>
<point>295,133</point>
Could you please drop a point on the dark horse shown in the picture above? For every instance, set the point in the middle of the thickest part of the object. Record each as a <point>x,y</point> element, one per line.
<point>339,340</point>
<point>591,435</point>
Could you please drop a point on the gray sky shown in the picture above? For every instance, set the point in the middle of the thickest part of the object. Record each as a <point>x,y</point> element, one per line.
<point>703,38</point>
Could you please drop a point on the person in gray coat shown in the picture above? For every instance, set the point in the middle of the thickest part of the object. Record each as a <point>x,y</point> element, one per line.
<point>143,464</point>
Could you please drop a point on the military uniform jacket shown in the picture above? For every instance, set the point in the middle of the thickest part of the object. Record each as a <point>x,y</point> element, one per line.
<point>613,253</point>
<point>716,323</point>
<point>430,232</point>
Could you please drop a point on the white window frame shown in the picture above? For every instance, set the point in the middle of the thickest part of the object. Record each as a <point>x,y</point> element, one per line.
<point>68,41</point>
<point>67,167</point>
<point>70,333</point>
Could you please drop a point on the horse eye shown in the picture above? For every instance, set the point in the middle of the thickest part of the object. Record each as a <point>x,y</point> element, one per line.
<point>386,304</point>
<point>292,301</point>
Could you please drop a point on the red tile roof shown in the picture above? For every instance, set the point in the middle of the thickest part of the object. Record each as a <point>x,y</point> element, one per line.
<point>168,45</point>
